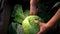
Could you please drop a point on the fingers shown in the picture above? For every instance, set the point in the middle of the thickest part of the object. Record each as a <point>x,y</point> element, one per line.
<point>38,33</point>
<point>42,24</point>
<point>42,28</point>
<point>36,21</point>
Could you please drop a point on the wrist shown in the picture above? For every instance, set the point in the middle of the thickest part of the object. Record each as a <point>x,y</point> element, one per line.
<point>48,26</point>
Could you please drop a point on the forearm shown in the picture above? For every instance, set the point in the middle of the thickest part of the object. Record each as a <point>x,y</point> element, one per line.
<point>33,9</point>
<point>54,19</point>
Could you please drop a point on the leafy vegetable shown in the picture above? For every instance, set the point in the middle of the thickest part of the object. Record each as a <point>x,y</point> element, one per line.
<point>18,13</point>
<point>15,28</point>
<point>29,26</point>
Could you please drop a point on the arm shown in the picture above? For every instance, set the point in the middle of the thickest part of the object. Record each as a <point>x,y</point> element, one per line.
<point>49,24</point>
<point>54,19</point>
<point>33,9</point>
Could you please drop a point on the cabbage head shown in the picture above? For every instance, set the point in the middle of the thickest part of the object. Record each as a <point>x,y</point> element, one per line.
<point>29,26</point>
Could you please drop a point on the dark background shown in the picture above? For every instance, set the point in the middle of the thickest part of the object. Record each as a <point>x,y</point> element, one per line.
<point>7,8</point>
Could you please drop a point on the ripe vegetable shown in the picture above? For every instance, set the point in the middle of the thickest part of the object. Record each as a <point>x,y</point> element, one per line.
<point>29,26</point>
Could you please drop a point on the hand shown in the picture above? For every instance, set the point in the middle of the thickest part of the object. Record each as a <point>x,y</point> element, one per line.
<point>43,27</point>
<point>36,21</point>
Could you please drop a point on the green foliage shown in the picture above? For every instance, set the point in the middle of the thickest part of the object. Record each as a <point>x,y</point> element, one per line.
<point>15,28</point>
<point>18,13</point>
<point>29,26</point>
<point>26,13</point>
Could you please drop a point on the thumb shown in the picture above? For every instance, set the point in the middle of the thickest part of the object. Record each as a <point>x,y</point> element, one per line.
<point>41,24</point>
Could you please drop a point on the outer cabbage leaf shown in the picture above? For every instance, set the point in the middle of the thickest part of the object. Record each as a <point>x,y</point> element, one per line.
<point>29,26</point>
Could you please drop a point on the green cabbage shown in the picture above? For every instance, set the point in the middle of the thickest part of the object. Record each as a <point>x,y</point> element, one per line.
<point>29,26</point>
